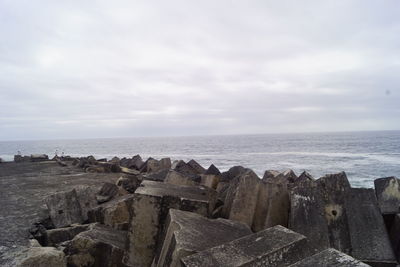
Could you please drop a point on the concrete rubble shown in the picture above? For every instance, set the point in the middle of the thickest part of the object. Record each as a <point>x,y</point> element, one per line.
<point>163,213</point>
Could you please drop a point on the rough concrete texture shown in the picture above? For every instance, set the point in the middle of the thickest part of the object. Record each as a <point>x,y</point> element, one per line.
<point>270,175</point>
<point>107,192</point>
<point>395,236</point>
<point>307,214</point>
<point>239,205</point>
<point>331,214</point>
<point>329,257</point>
<point>40,257</point>
<point>153,165</point>
<point>272,206</point>
<point>212,170</point>
<point>156,176</point>
<point>210,180</point>
<point>151,203</point>
<point>369,239</point>
<point>336,187</point>
<point>72,206</point>
<point>115,213</point>
<point>196,166</point>
<point>179,178</point>
<point>232,173</point>
<point>23,188</point>
<point>58,235</point>
<point>99,246</point>
<point>188,233</point>
<point>388,194</point>
<point>276,246</point>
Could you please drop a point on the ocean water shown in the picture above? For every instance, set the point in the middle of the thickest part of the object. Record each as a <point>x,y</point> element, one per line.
<point>364,156</point>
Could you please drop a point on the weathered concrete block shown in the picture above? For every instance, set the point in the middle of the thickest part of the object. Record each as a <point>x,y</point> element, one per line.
<point>107,192</point>
<point>270,175</point>
<point>184,168</point>
<point>150,206</point>
<point>129,182</point>
<point>20,158</point>
<point>135,162</point>
<point>188,233</point>
<point>56,236</point>
<point>115,213</point>
<point>39,157</point>
<point>329,257</point>
<point>272,206</point>
<point>99,246</point>
<point>232,173</point>
<point>305,176</point>
<point>178,178</point>
<point>395,236</point>
<point>335,188</point>
<point>152,165</point>
<point>210,180</point>
<point>331,214</point>
<point>307,214</point>
<point>156,176</point>
<point>276,246</point>
<point>242,197</point>
<point>388,194</point>
<point>196,166</point>
<point>212,170</point>
<point>369,239</point>
<point>40,257</point>
<point>70,207</point>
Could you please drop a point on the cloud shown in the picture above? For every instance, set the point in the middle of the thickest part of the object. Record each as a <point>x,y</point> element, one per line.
<point>103,69</point>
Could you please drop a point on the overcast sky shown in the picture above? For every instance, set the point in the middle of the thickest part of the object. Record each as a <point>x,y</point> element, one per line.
<point>79,69</point>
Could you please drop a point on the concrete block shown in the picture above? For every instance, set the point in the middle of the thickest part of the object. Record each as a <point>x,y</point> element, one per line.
<point>188,233</point>
<point>196,166</point>
<point>70,207</point>
<point>59,235</point>
<point>99,246</point>
<point>272,206</point>
<point>151,203</point>
<point>329,257</point>
<point>242,197</point>
<point>276,246</point>
<point>388,194</point>
<point>210,180</point>
<point>370,241</point>
<point>179,178</point>
<point>307,214</point>
<point>115,213</point>
<point>394,235</point>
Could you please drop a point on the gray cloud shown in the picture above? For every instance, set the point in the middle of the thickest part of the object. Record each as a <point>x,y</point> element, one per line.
<point>103,69</point>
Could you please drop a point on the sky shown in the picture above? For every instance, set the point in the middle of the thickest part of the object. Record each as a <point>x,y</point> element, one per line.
<point>82,69</point>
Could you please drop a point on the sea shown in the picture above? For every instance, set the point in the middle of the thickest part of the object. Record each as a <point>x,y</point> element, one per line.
<point>364,156</point>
